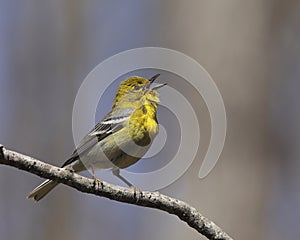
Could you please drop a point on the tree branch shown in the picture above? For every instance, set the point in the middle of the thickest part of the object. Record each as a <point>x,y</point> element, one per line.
<point>185,212</point>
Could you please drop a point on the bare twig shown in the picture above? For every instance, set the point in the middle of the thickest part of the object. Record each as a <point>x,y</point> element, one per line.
<point>185,212</point>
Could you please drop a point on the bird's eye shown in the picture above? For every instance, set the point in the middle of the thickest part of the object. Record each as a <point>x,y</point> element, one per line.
<point>137,87</point>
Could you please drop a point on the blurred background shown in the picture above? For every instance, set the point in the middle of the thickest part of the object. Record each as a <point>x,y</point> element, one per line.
<point>252,51</point>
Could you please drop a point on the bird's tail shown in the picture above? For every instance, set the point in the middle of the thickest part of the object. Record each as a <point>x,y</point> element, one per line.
<point>42,190</point>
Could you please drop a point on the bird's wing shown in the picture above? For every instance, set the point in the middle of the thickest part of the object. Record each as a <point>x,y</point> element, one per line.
<point>112,122</point>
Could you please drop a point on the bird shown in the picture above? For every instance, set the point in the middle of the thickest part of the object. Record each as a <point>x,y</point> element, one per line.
<point>121,138</point>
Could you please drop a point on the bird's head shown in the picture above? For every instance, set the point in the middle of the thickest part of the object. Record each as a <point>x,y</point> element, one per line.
<point>138,90</point>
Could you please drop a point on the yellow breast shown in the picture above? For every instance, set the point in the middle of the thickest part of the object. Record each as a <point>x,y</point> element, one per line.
<point>143,126</point>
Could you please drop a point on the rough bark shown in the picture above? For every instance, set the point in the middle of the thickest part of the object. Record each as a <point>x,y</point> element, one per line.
<point>185,212</point>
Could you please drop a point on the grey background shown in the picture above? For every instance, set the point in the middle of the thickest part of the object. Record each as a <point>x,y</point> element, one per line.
<point>251,49</point>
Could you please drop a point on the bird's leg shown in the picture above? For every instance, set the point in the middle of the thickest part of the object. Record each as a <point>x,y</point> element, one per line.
<point>116,172</point>
<point>97,180</point>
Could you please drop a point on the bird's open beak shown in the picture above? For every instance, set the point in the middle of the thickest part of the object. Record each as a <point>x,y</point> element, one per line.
<point>151,80</point>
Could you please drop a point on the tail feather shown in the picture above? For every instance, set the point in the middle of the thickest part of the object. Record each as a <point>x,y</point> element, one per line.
<point>42,190</point>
